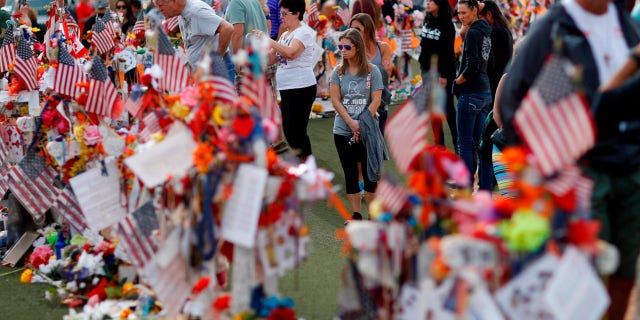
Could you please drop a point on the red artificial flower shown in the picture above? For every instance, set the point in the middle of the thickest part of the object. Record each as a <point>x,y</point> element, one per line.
<point>202,284</point>
<point>222,302</point>
<point>282,314</point>
<point>583,232</point>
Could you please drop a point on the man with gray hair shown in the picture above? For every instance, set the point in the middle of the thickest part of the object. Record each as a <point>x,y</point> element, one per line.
<point>200,27</point>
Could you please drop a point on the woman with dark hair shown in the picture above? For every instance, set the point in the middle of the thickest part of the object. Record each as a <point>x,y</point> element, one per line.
<point>501,43</point>
<point>379,54</point>
<point>438,35</point>
<point>356,88</point>
<point>370,7</point>
<point>474,92</point>
<point>123,8</point>
<point>295,78</point>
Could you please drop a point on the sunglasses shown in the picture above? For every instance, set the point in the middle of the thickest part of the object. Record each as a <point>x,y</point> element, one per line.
<point>121,7</point>
<point>345,47</point>
<point>285,13</point>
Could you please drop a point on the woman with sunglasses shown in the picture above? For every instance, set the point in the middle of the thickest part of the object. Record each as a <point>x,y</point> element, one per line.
<point>356,88</point>
<point>124,12</point>
<point>474,92</point>
<point>379,54</point>
<point>295,78</point>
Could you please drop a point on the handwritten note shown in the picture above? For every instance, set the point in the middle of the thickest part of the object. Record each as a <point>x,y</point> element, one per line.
<point>575,291</point>
<point>99,196</point>
<point>240,217</point>
<point>521,298</point>
<point>171,157</point>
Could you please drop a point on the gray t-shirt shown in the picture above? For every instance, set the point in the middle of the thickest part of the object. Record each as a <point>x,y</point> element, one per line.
<point>356,95</point>
<point>198,25</point>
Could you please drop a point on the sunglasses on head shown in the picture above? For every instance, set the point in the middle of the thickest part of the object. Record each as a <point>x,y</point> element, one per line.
<point>344,46</point>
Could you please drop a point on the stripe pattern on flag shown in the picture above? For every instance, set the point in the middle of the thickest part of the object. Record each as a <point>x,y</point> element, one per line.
<point>134,232</point>
<point>25,66</point>
<point>406,135</point>
<point>393,196</point>
<point>68,74</point>
<point>313,16</point>
<point>259,91</point>
<point>139,26</point>
<point>101,38</point>
<point>102,93</point>
<point>151,125</point>
<point>8,51</point>
<point>405,38</point>
<point>176,75</point>
<point>172,24</point>
<point>554,120</point>
<point>170,283</point>
<point>224,90</point>
<point>32,181</point>
<point>67,206</point>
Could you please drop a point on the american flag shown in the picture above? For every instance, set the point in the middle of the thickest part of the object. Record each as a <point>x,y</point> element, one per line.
<point>170,283</point>
<point>8,51</point>
<point>102,94</point>
<point>25,66</point>
<point>393,196</point>
<point>405,38</point>
<point>344,14</point>
<point>176,75</point>
<point>134,102</point>
<point>101,38</point>
<point>67,206</point>
<point>171,24</point>
<point>68,74</point>
<point>32,181</point>
<point>224,90</point>
<point>151,125</point>
<point>406,134</point>
<point>139,25</point>
<point>135,234</point>
<point>259,91</point>
<point>109,22</point>
<point>313,16</point>
<point>570,179</point>
<point>554,119</point>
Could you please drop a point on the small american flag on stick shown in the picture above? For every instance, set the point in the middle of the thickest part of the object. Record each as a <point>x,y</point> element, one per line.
<point>25,66</point>
<point>101,38</point>
<point>135,234</point>
<point>393,196</point>
<point>67,206</point>
<point>8,51</point>
<point>176,76</point>
<point>32,181</point>
<point>406,134</point>
<point>313,16</point>
<point>172,24</point>
<point>139,25</point>
<point>259,91</point>
<point>102,93</point>
<point>68,74</point>
<point>554,120</point>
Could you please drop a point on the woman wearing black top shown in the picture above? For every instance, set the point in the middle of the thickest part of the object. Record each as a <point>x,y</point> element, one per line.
<point>438,35</point>
<point>501,43</point>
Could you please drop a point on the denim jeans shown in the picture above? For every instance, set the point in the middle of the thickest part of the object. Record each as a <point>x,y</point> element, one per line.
<point>472,111</point>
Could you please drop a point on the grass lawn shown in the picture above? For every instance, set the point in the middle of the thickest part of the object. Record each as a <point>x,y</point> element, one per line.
<point>314,285</point>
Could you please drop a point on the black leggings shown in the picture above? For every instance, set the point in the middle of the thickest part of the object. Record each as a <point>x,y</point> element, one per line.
<point>296,107</point>
<point>349,156</point>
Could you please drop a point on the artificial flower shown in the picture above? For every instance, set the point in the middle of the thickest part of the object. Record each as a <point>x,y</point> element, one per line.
<point>26,276</point>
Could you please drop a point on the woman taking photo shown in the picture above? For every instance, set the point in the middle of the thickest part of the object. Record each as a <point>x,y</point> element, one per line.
<point>438,35</point>
<point>356,88</point>
<point>474,92</point>
<point>295,78</point>
<point>379,54</point>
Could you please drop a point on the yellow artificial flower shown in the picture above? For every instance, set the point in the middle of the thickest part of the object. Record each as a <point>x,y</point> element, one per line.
<point>26,276</point>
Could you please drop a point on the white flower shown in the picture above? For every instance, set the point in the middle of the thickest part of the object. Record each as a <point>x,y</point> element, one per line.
<point>93,263</point>
<point>72,286</point>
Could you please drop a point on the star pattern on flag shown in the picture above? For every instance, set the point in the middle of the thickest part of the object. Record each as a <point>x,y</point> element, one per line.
<point>176,76</point>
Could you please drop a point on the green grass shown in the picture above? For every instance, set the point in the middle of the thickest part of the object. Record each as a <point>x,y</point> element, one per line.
<point>314,285</point>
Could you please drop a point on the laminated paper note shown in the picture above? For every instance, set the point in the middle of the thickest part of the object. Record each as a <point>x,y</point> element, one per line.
<point>575,291</point>
<point>521,298</point>
<point>99,196</point>
<point>240,218</point>
<point>170,158</point>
